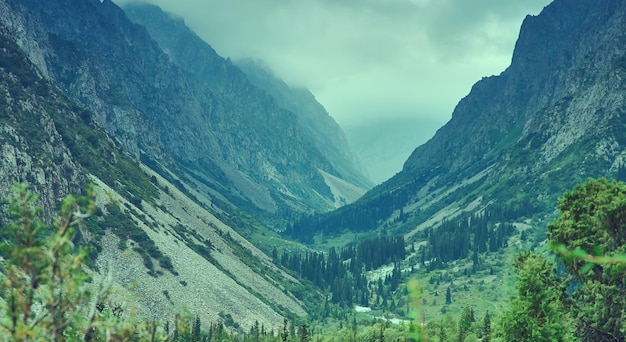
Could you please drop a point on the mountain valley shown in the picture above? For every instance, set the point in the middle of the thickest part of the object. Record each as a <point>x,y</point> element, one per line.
<point>226,194</point>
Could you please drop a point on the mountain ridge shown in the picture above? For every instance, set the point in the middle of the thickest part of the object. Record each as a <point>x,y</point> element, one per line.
<point>547,122</point>
<point>226,144</point>
<point>161,251</point>
<point>191,53</point>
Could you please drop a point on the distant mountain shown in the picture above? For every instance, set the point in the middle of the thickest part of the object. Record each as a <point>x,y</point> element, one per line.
<point>383,145</point>
<point>198,58</point>
<point>553,118</point>
<point>324,130</point>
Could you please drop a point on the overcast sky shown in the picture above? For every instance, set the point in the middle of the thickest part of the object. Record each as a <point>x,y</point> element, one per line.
<point>367,59</point>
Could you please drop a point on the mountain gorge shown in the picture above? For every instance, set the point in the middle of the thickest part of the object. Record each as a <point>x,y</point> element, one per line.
<point>198,58</point>
<point>207,171</point>
<point>216,128</point>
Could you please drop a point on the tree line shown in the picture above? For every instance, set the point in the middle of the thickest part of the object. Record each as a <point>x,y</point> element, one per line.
<point>340,274</point>
<point>470,234</point>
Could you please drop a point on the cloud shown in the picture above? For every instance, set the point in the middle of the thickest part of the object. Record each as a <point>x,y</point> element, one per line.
<point>368,58</point>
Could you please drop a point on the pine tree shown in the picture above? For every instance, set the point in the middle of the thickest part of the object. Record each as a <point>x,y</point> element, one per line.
<point>591,224</point>
<point>486,327</point>
<point>303,333</point>
<point>285,334</point>
<point>195,334</point>
<point>45,282</point>
<point>465,323</point>
<point>537,313</point>
<point>448,296</point>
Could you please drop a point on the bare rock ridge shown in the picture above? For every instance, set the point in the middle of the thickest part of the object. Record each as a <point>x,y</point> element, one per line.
<point>198,58</point>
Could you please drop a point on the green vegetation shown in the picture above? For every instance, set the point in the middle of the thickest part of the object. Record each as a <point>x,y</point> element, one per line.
<point>592,221</point>
<point>49,294</point>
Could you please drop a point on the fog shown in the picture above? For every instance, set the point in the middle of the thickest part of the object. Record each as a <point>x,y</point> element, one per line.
<point>368,60</point>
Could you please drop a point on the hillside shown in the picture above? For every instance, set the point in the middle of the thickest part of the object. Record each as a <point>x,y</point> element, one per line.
<point>199,59</point>
<point>163,250</point>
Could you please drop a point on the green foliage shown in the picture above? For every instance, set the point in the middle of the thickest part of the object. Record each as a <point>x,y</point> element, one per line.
<point>538,313</point>
<point>341,276</point>
<point>486,328</point>
<point>48,294</point>
<point>590,236</point>
<point>465,323</point>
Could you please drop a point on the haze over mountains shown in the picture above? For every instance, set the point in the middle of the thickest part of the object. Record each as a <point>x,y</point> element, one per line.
<point>209,160</point>
<point>549,121</point>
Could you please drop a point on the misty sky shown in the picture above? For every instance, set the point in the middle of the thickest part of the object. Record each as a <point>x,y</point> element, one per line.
<point>367,58</point>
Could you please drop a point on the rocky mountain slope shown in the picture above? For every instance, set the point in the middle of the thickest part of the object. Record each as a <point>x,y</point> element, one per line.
<point>555,117</point>
<point>89,97</point>
<point>198,58</point>
<point>217,131</point>
<point>164,252</point>
<point>326,133</point>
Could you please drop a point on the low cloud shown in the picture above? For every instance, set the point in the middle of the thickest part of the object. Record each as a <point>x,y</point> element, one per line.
<point>369,58</point>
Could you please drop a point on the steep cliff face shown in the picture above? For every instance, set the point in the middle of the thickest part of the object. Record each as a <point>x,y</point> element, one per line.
<point>324,131</point>
<point>226,137</point>
<point>552,119</point>
<point>31,146</point>
<point>550,113</point>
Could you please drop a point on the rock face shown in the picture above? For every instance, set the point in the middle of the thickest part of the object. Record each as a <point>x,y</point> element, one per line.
<point>324,131</point>
<point>552,119</point>
<point>209,125</point>
<point>31,147</point>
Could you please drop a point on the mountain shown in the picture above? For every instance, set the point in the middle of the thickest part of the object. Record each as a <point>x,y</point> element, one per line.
<point>195,56</point>
<point>184,165</point>
<point>552,119</point>
<point>383,145</point>
<point>162,251</point>
<point>186,159</point>
<point>209,126</point>
<point>324,130</point>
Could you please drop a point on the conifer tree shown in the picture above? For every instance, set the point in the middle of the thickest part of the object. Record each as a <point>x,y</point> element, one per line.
<point>46,289</point>
<point>486,327</point>
<point>465,323</point>
<point>591,222</point>
<point>537,313</point>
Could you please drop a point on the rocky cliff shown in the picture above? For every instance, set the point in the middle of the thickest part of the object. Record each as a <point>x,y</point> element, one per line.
<point>325,132</point>
<point>552,119</point>
<point>198,58</point>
